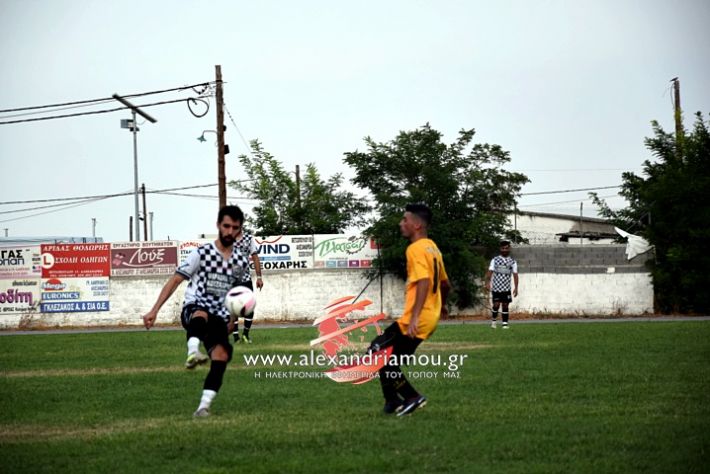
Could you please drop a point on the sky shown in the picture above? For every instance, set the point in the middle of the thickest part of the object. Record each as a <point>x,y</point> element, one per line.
<point>569,88</point>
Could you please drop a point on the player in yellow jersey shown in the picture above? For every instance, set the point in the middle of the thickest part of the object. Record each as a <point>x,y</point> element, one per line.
<point>425,301</point>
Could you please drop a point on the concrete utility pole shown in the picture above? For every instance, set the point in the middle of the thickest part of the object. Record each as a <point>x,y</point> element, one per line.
<point>145,215</point>
<point>677,115</point>
<point>219,96</point>
<point>6,229</point>
<point>298,186</point>
<point>151,224</point>
<point>134,128</point>
<point>93,227</point>
<point>581,224</point>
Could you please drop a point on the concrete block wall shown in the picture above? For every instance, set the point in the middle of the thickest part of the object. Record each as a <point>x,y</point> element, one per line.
<point>567,280</point>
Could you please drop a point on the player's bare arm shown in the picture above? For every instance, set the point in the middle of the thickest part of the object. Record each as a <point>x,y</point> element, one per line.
<point>444,287</point>
<point>488,280</point>
<point>257,266</point>
<point>515,280</point>
<point>167,291</point>
<point>420,298</point>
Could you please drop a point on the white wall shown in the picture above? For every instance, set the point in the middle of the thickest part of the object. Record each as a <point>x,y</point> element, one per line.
<point>302,295</point>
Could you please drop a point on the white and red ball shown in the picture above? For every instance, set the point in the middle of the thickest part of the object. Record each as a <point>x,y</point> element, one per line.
<point>240,302</point>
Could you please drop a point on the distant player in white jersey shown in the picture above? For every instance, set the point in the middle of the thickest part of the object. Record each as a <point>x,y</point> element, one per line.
<point>498,276</point>
<point>212,269</point>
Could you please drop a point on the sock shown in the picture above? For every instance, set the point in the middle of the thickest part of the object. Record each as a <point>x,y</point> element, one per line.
<point>505,317</point>
<point>247,325</point>
<point>216,374</point>
<point>193,345</point>
<point>405,389</point>
<point>235,332</point>
<point>206,400</point>
<point>197,328</point>
<point>494,314</point>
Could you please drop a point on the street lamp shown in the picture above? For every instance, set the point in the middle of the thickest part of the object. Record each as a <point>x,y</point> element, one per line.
<point>132,125</point>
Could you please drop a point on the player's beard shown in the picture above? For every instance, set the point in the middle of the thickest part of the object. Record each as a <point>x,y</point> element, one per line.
<point>226,240</point>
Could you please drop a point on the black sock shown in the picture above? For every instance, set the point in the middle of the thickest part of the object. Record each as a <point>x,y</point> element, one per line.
<point>197,328</point>
<point>215,375</point>
<point>505,317</point>
<point>247,325</point>
<point>494,314</point>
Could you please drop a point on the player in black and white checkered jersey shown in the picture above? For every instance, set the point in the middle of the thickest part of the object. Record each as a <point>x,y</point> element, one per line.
<point>498,276</point>
<point>247,246</point>
<point>213,269</point>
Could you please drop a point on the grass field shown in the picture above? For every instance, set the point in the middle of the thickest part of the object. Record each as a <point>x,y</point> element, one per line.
<point>567,398</point>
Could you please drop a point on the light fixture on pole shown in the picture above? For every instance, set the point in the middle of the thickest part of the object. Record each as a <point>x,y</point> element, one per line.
<point>132,126</point>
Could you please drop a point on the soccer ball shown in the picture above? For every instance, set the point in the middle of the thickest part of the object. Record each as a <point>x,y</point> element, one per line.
<point>240,302</point>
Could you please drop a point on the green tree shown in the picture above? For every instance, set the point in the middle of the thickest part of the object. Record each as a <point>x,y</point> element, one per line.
<point>670,207</point>
<point>316,206</point>
<point>465,186</point>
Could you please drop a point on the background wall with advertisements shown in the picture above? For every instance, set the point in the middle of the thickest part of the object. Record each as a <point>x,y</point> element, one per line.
<point>115,284</point>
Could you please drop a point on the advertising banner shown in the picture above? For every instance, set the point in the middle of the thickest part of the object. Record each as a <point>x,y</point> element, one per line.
<point>75,260</point>
<point>19,296</point>
<point>75,277</point>
<point>188,246</point>
<point>143,258</point>
<point>285,252</point>
<point>69,295</point>
<point>20,262</point>
<point>343,251</point>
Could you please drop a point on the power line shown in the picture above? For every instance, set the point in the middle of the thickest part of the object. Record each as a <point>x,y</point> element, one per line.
<point>246,144</point>
<point>101,196</point>
<point>108,99</point>
<point>67,206</point>
<point>566,202</point>
<point>95,112</point>
<point>570,190</point>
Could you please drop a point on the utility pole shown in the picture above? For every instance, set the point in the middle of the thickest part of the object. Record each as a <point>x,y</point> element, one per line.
<point>151,224</point>
<point>677,116</point>
<point>298,186</point>
<point>93,227</point>
<point>581,224</point>
<point>145,215</point>
<point>6,229</point>
<point>219,96</point>
<point>134,128</point>
<point>130,229</point>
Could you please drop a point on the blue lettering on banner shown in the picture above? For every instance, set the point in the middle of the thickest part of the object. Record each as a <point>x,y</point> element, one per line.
<point>266,249</point>
<point>74,306</point>
<point>61,295</point>
<point>275,259</point>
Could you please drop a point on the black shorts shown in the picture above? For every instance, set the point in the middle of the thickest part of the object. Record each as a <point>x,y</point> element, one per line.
<point>501,297</point>
<point>217,331</point>
<point>401,343</point>
<point>246,284</point>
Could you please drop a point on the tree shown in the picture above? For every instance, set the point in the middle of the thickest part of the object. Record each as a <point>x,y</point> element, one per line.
<point>670,207</point>
<point>313,206</point>
<point>465,186</point>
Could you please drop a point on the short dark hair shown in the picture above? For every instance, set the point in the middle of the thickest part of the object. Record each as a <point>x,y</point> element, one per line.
<point>505,243</point>
<point>420,210</point>
<point>232,211</point>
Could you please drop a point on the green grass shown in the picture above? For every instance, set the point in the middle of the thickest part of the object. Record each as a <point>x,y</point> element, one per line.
<point>603,397</point>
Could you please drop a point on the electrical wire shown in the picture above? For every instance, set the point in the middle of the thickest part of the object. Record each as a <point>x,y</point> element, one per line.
<point>9,122</point>
<point>108,99</point>
<point>244,141</point>
<point>570,190</point>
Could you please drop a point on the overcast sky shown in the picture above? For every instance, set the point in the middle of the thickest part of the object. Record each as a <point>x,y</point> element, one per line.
<point>568,87</point>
